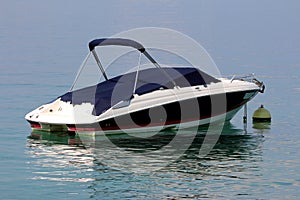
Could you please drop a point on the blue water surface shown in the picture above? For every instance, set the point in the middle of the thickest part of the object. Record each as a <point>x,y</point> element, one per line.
<point>42,46</point>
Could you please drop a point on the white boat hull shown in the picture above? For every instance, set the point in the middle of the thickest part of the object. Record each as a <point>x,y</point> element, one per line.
<point>62,116</point>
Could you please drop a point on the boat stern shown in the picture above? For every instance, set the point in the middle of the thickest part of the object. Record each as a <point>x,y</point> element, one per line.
<point>50,117</point>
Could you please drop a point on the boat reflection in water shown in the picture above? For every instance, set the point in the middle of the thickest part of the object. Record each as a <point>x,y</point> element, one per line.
<point>55,157</point>
<point>124,152</point>
<point>45,137</point>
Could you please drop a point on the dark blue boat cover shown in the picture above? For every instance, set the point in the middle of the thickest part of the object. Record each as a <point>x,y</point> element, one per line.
<point>106,94</point>
<point>115,41</point>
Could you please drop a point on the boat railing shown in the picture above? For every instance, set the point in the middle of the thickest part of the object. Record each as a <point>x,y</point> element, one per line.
<point>249,78</point>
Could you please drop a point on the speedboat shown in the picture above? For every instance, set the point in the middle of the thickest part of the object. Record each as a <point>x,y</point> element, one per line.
<point>151,99</point>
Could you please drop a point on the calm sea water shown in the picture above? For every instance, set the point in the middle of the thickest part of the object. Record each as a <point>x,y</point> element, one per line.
<point>42,46</point>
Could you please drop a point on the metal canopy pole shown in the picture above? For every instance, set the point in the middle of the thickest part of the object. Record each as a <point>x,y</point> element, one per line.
<point>137,74</point>
<point>159,67</point>
<point>79,72</point>
<point>99,64</point>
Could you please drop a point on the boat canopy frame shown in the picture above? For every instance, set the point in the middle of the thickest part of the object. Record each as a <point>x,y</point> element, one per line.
<point>104,99</point>
<point>124,42</point>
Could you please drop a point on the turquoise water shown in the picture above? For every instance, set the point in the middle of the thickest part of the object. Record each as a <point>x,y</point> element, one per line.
<point>42,46</point>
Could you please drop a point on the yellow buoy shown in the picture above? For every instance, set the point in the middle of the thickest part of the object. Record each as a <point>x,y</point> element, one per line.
<point>261,115</point>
